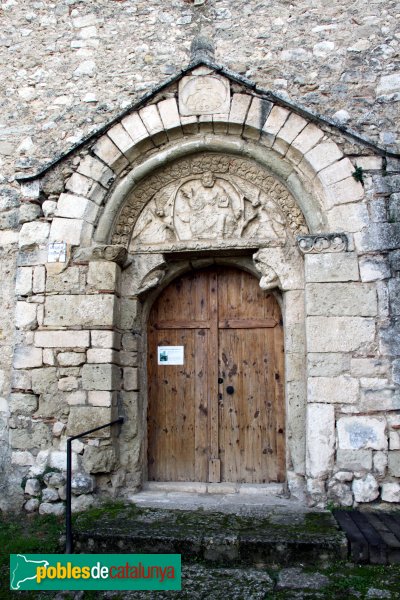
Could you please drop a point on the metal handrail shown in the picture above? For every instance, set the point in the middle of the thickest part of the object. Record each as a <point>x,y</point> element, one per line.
<point>69,546</point>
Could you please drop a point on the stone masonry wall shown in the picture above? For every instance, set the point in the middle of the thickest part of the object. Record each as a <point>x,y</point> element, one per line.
<point>69,67</point>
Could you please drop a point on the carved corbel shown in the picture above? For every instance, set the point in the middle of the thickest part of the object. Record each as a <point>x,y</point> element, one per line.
<point>269,278</point>
<point>112,253</point>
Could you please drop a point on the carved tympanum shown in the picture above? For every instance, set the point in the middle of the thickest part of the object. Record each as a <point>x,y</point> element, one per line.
<point>208,199</point>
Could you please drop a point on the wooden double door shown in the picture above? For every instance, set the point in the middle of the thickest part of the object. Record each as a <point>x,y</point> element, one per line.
<point>219,414</point>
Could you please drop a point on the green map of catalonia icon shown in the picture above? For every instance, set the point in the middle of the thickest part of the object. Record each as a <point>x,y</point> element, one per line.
<point>24,570</point>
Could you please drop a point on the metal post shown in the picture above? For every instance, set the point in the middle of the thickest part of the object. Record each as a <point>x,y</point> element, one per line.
<point>69,543</point>
<point>68,522</point>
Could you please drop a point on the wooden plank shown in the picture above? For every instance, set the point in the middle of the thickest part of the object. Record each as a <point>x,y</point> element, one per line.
<point>376,546</point>
<point>357,542</point>
<point>247,323</point>
<point>393,523</point>
<point>179,324</point>
<point>392,543</point>
<point>214,473</point>
<point>279,400</point>
<point>213,377</point>
<point>201,405</point>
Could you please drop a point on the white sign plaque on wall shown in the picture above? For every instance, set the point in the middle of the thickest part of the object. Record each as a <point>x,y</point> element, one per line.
<point>170,355</point>
<point>57,252</point>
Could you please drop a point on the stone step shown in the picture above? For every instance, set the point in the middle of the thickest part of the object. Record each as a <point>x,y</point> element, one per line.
<point>250,534</point>
<point>269,489</point>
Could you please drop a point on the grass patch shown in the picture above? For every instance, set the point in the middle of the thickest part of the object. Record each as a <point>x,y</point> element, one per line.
<point>26,534</point>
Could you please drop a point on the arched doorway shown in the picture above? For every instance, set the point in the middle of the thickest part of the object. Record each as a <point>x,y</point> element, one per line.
<point>216,409</point>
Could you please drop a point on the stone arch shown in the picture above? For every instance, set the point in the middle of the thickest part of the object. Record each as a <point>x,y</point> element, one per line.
<point>296,151</point>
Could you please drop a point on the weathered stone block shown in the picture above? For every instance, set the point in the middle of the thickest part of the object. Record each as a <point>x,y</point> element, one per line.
<point>27,358</point>
<point>97,170</point>
<point>379,398</point>
<point>328,267</point>
<point>23,404</point>
<point>323,155</point>
<point>62,339</point>
<point>333,390</point>
<point>81,483</point>
<point>31,505</point>
<point>380,463</point>
<point>256,117</point>
<point>394,296</point>
<point>22,459</point>
<point>67,384</point>
<point>237,115</point>
<point>130,379</point>
<point>70,231</point>
<point>349,217</point>
<point>120,137</point>
<point>33,234</point>
<point>89,310</point>
<point>32,487</point>
<point>169,114</point>
<point>66,281</point>
<point>340,299</point>
<point>23,283</point>
<point>71,359</point>
<point>25,315</point>
<point>368,367</point>
<point>52,406</point>
<point>86,418</point>
<point>355,460</point>
<point>101,377</point>
<point>339,334</point>
<point>104,275</point>
<point>99,460</point>
<point>290,130</point>
<point>152,121</point>
<point>100,398</point>
<point>37,436</point>
<point>106,339</point>
<point>108,152</point>
<point>58,459</point>
<point>394,463</point>
<point>320,439</point>
<point>70,206</point>
<point>365,489</point>
<point>374,268</point>
<point>102,355</point>
<point>356,433</point>
<point>273,124</point>
<point>324,364</point>
<point>135,127</point>
<point>44,380</point>
<point>76,398</point>
<point>342,192</point>
<point>390,338</point>
<point>378,236</point>
<point>391,492</point>
<point>128,313</point>
<point>52,508</point>
<point>50,495</point>
<point>306,140</point>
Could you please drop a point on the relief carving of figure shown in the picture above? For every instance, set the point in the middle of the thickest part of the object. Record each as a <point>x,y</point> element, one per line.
<point>210,198</point>
<point>207,208</point>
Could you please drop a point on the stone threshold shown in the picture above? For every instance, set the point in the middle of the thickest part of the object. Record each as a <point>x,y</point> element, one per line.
<point>245,489</point>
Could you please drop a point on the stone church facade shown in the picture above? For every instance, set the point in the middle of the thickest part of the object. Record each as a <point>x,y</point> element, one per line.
<point>210,173</point>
